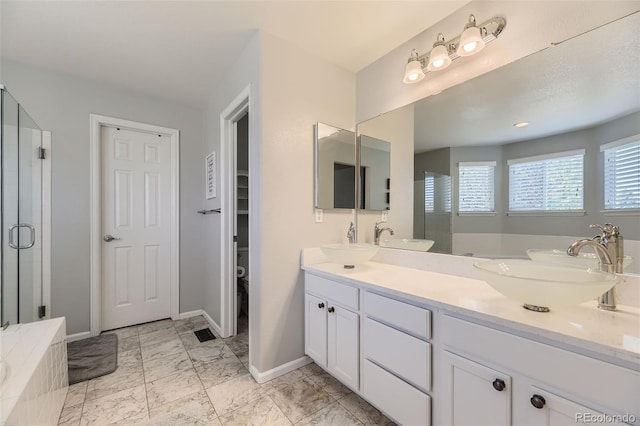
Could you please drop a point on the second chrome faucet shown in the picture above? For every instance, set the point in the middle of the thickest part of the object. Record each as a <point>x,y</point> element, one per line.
<point>378,230</point>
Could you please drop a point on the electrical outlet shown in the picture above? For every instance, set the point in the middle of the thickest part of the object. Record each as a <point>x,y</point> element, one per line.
<point>318,215</point>
<point>384,215</point>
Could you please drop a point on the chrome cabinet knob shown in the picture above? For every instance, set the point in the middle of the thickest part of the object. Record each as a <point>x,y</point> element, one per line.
<point>109,238</point>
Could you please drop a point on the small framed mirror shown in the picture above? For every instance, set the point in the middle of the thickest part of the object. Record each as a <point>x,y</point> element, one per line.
<point>335,167</point>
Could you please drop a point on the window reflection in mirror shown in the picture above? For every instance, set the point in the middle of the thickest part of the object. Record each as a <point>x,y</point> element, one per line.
<point>573,104</point>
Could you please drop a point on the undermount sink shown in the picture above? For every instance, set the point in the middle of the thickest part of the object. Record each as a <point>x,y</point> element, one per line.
<point>541,286</point>
<point>406,244</point>
<point>583,259</point>
<point>349,255</point>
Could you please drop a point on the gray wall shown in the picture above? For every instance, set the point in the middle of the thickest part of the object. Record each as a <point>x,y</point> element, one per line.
<point>62,103</point>
<point>589,139</point>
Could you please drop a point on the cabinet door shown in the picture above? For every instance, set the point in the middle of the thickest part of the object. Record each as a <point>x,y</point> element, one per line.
<point>315,336</point>
<point>343,345</point>
<point>477,395</point>
<point>545,408</point>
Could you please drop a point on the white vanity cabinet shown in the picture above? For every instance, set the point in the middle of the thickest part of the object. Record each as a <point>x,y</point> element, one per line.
<point>332,328</point>
<point>396,352</point>
<point>493,377</point>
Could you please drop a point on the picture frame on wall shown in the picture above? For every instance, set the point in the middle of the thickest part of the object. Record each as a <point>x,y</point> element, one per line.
<point>210,183</point>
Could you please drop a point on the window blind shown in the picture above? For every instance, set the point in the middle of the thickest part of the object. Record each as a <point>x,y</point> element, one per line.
<point>622,176</point>
<point>476,188</point>
<point>437,194</point>
<point>553,182</point>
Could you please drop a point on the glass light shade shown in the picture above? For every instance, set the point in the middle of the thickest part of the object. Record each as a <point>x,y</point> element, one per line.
<point>439,58</point>
<point>413,72</point>
<point>470,42</point>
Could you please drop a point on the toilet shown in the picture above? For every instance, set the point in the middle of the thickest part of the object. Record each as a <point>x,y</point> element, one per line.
<point>243,290</point>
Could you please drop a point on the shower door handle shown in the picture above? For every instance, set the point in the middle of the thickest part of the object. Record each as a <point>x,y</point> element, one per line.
<point>32,236</point>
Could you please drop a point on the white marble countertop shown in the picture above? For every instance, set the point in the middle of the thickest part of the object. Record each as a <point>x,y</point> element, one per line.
<point>610,336</point>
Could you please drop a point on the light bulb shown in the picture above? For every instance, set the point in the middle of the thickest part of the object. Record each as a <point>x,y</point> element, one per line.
<point>413,71</point>
<point>471,41</point>
<point>439,57</point>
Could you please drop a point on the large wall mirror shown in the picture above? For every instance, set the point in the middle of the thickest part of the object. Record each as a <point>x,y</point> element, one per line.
<point>335,167</point>
<point>482,186</point>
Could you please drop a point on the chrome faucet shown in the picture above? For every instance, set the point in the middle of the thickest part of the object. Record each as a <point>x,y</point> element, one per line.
<point>609,247</point>
<point>351,234</point>
<point>379,230</point>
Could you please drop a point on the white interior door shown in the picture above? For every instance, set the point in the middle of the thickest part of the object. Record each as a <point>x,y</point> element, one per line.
<point>136,228</point>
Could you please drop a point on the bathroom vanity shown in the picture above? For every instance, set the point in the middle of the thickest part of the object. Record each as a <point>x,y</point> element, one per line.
<point>431,348</point>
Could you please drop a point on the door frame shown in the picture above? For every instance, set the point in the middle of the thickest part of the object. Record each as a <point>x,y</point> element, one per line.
<point>96,123</point>
<point>228,284</point>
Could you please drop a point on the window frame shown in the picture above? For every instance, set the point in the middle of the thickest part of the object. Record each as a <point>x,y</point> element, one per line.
<point>492,212</point>
<point>603,149</point>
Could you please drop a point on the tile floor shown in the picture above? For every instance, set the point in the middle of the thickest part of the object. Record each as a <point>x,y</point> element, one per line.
<point>165,376</point>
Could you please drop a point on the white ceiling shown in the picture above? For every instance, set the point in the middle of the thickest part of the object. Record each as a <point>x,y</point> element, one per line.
<point>585,81</point>
<point>179,50</point>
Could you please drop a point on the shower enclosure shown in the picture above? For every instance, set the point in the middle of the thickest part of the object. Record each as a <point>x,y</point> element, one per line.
<point>21,295</point>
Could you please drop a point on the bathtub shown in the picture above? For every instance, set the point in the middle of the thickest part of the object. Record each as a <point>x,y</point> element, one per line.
<point>33,360</point>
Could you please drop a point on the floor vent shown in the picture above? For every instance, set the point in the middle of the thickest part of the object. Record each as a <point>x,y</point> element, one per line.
<point>204,335</point>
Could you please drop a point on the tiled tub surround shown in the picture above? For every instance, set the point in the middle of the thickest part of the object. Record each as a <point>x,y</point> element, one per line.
<point>587,355</point>
<point>35,388</point>
<point>165,376</point>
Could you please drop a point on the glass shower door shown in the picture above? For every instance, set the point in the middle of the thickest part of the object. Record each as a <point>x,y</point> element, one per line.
<point>21,205</point>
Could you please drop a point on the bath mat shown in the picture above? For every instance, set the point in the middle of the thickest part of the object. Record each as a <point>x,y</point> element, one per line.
<point>92,357</point>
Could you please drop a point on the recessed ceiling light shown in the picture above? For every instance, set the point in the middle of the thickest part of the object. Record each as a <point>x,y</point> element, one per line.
<point>521,124</point>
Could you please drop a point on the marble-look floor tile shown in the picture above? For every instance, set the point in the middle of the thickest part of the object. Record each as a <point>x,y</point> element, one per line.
<point>334,414</point>
<point>158,336</point>
<point>132,357</point>
<point>238,347</point>
<point>126,376</point>
<point>128,344</point>
<point>171,388</point>
<point>234,394</point>
<point>193,410</point>
<point>262,411</point>
<point>116,407</point>
<point>311,369</point>
<point>70,415</point>
<point>76,394</point>
<point>300,399</point>
<point>220,371</point>
<point>365,412</point>
<point>330,385</point>
<point>162,349</point>
<point>190,341</point>
<point>244,359</point>
<point>210,353</point>
<point>124,333</point>
<point>285,379</point>
<point>190,325</point>
<point>158,368</point>
<point>153,326</point>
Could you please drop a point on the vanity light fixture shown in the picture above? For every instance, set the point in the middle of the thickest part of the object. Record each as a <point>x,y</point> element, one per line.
<point>439,57</point>
<point>471,41</point>
<point>413,71</point>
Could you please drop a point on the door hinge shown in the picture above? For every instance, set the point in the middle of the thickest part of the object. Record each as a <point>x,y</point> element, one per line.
<point>42,311</point>
<point>41,152</point>
<point>235,238</point>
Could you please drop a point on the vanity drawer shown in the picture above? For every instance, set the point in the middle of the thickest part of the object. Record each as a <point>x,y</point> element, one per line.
<point>413,319</point>
<point>398,399</point>
<point>400,353</point>
<point>339,293</point>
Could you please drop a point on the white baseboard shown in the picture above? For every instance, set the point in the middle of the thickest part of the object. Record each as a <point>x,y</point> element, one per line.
<point>211,322</point>
<point>78,336</point>
<point>190,314</point>
<point>279,370</point>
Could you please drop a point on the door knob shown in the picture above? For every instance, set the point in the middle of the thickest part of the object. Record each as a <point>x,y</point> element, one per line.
<point>109,238</point>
